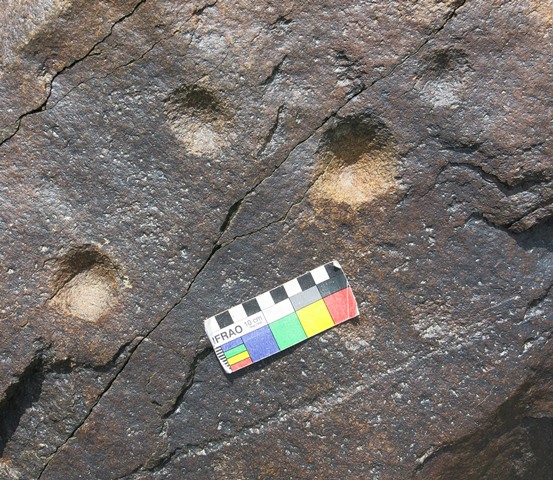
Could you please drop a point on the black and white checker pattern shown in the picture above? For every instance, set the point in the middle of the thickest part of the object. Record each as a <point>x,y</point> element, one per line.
<point>289,297</point>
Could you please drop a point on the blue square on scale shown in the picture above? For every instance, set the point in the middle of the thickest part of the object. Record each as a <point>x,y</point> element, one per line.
<point>260,343</point>
<point>231,344</point>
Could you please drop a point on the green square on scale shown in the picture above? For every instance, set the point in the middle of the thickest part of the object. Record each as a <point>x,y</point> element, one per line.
<point>287,331</point>
<point>235,351</point>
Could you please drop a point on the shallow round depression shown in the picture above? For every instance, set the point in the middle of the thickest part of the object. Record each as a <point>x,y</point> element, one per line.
<point>359,161</point>
<point>87,284</point>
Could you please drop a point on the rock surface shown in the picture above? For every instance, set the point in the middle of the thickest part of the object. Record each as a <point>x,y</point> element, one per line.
<point>164,160</point>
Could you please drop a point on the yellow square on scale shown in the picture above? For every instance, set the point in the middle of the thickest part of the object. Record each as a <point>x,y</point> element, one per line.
<point>315,318</point>
<point>238,357</point>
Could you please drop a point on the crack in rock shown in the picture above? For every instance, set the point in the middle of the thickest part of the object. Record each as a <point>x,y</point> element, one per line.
<point>44,104</point>
<point>350,99</point>
<point>231,214</point>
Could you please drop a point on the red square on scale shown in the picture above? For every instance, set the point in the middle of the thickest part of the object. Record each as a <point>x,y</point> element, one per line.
<point>342,305</point>
<point>241,364</point>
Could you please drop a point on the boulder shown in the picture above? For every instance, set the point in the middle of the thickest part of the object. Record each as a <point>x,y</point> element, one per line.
<point>163,161</point>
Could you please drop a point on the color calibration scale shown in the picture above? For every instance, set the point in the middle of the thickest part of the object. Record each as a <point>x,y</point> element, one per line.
<point>282,317</point>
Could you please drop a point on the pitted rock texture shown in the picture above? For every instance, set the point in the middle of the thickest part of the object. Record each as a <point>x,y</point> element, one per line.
<point>165,160</point>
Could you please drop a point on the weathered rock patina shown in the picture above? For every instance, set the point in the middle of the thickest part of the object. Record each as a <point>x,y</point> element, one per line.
<point>161,159</point>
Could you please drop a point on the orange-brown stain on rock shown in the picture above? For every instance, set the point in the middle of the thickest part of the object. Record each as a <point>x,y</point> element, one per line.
<point>542,10</point>
<point>359,164</point>
<point>87,285</point>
